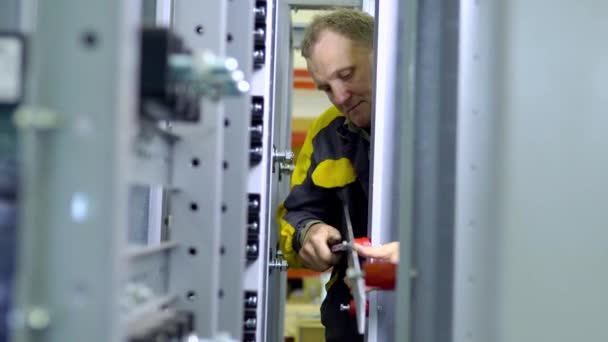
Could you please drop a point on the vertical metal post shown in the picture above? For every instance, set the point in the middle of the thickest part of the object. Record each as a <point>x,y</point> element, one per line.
<point>404,159</point>
<point>239,38</point>
<point>196,204</point>
<point>73,134</point>
<point>434,169</point>
<point>261,181</point>
<point>279,140</point>
<point>381,313</point>
<point>476,275</point>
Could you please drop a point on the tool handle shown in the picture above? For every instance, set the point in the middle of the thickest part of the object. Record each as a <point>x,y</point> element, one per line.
<point>353,311</point>
<point>380,274</point>
<point>365,241</point>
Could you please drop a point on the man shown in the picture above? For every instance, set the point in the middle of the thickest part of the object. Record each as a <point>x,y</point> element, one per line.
<point>333,165</point>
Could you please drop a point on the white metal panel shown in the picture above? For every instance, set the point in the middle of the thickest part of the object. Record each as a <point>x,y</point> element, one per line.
<point>383,148</point>
<point>532,218</point>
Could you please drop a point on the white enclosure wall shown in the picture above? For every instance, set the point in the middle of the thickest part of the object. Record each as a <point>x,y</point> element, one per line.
<point>532,243</point>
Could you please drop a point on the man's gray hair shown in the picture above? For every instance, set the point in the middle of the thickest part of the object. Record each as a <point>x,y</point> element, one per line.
<point>355,25</point>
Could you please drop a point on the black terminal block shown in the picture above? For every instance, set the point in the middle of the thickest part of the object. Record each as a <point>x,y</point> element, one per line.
<point>250,322</point>
<point>249,337</point>
<point>257,110</point>
<point>252,247</point>
<point>259,34</point>
<point>253,205</point>
<point>256,130</point>
<point>161,96</point>
<point>251,299</point>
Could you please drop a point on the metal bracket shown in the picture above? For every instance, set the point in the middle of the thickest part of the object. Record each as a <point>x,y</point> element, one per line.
<point>277,263</point>
<point>285,162</point>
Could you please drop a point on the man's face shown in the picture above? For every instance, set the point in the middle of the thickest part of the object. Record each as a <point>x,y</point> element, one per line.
<point>343,70</point>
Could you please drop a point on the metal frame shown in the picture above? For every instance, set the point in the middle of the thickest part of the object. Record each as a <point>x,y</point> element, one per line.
<point>383,172</point>
<point>196,207</point>
<point>278,186</point>
<point>237,116</point>
<point>476,243</point>
<point>393,158</point>
<point>436,104</point>
<point>403,162</point>
<point>259,182</point>
<point>75,171</point>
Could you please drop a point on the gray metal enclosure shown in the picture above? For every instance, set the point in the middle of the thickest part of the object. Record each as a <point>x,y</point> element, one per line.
<point>529,240</point>
<point>532,242</point>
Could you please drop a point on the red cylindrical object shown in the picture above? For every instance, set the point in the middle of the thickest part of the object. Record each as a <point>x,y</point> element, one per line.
<point>380,274</point>
<point>353,311</point>
<point>365,241</point>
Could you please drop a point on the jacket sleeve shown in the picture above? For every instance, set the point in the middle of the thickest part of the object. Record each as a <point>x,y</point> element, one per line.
<point>305,203</point>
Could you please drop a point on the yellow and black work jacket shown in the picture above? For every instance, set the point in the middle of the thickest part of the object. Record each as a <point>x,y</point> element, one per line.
<point>332,168</point>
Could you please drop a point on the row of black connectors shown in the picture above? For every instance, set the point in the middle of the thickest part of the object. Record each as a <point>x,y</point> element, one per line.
<point>252,249</point>
<point>250,320</point>
<point>256,133</point>
<point>256,130</point>
<point>259,34</point>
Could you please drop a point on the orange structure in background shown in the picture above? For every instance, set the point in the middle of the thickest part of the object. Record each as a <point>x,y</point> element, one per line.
<point>299,126</point>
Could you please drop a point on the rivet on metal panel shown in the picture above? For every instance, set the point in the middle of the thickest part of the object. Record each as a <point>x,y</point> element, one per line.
<point>413,273</point>
<point>89,39</point>
<point>193,206</point>
<point>199,29</point>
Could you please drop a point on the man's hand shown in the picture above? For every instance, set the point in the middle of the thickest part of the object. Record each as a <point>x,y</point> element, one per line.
<point>315,252</point>
<point>387,252</point>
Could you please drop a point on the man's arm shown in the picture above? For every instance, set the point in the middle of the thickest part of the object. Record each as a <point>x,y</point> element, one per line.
<point>305,235</point>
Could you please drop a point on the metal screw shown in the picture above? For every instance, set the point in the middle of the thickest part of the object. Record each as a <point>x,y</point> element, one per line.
<point>259,34</point>
<point>413,273</point>
<point>252,301</point>
<point>250,323</point>
<point>260,12</point>
<point>251,249</point>
<point>256,107</point>
<point>253,226</point>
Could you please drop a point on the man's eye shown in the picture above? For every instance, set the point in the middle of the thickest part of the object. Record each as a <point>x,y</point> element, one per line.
<point>346,76</point>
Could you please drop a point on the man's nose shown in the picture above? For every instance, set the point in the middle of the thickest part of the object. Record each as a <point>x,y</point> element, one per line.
<point>342,95</point>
